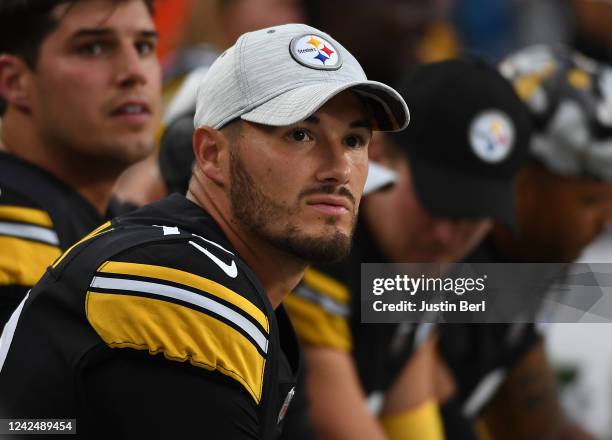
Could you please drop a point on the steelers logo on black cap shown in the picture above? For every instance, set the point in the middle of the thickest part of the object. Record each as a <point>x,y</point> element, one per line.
<point>491,136</point>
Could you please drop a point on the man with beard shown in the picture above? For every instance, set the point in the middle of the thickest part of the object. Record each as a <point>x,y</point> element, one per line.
<point>81,86</point>
<point>283,122</point>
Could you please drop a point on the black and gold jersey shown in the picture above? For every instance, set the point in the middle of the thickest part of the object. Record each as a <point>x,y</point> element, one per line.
<point>480,356</point>
<point>325,310</point>
<point>40,217</point>
<point>151,325</point>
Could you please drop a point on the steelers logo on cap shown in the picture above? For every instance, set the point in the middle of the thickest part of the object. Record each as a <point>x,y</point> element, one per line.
<point>492,136</point>
<point>315,52</point>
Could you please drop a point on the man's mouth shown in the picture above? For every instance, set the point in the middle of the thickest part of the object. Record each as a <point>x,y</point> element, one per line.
<point>330,204</point>
<point>132,111</point>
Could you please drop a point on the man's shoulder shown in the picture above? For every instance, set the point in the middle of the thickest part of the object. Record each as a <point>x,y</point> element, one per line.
<point>169,291</point>
<point>24,182</point>
<point>41,199</point>
<point>184,259</point>
<point>29,240</point>
<point>160,252</point>
<point>18,206</point>
<point>319,308</point>
<point>329,281</point>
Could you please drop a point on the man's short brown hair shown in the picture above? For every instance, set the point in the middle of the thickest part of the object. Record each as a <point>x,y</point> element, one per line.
<point>24,25</point>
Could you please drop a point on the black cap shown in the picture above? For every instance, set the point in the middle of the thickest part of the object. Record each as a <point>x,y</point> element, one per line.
<point>176,154</point>
<point>468,136</point>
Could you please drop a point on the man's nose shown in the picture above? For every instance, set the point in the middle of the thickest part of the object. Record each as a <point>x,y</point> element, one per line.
<point>130,67</point>
<point>336,164</point>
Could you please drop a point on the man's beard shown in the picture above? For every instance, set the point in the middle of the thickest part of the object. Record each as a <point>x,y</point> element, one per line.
<point>256,212</point>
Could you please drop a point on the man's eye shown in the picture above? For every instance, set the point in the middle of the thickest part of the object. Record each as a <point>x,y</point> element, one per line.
<point>92,49</point>
<point>300,136</point>
<point>145,47</point>
<point>354,141</point>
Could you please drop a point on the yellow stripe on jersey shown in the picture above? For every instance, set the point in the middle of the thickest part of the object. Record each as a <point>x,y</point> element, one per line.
<point>315,326</point>
<point>26,215</point>
<point>180,333</point>
<point>322,283</point>
<point>422,422</point>
<point>102,228</point>
<point>23,262</point>
<point>188,279</point>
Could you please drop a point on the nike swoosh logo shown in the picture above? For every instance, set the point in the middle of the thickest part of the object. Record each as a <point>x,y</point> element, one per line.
<point>230,269</point>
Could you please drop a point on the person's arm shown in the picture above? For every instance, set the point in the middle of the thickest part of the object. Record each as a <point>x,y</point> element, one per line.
<point>151,397</point>
<point>338,405</point>
<point>410,409</point>
<point>526,406</point>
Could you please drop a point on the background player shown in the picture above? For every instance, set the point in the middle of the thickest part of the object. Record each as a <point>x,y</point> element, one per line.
<point>563,202</point>
<point>81,84</point>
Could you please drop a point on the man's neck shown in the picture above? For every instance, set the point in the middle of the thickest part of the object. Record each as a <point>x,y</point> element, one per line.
<point>23,142</point>
<point>278,271</point>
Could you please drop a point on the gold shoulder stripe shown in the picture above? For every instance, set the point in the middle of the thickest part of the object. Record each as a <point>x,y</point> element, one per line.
<point>315,327</point>
<point>23,262</point>
<point>92,234</point>
<point>180,333</point>
<point>326,285</point>
<point>26,215</point>
<point>187,279</point>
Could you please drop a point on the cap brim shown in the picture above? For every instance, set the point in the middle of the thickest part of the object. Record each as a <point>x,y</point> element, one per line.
<point>388,108</point>
<point>447,193</point>
<point>379,177</point>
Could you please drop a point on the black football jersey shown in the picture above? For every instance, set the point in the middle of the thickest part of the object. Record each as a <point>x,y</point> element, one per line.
<point>40,217</point>
<point>152,326</point>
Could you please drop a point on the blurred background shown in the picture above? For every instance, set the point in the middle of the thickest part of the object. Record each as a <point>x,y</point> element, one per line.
<point>390,36</point>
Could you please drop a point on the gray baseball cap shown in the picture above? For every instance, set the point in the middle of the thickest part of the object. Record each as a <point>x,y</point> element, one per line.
<point>282,75</point>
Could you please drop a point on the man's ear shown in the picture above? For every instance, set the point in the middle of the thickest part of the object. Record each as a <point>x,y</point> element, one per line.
<point>211,150</point>
<point>14,81</point>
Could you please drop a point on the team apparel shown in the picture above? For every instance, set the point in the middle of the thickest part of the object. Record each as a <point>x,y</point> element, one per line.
<point>40,217</point>
<point>152,326</point>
